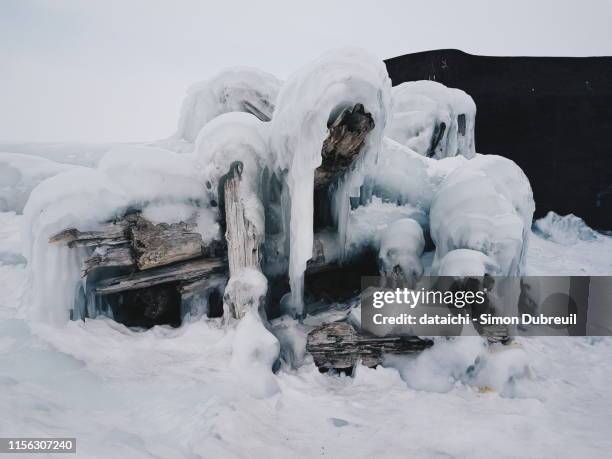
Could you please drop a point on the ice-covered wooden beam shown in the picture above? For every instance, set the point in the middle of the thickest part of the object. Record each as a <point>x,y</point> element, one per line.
<point>183,272</point>
<point>243,242</point>
<point>247,286</point>
<point>347,134</point>
<point>113,233</point>
<point>338,345</point>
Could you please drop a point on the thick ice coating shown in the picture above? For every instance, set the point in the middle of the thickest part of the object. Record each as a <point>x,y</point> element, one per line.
<point>163,184</point>
<point>237,89</point>
<point>79,197</point>
<point>235,138</point>
<point>470,212</point>
<point>401,246</point>
<point>432,119</point>
<point>306,102</point>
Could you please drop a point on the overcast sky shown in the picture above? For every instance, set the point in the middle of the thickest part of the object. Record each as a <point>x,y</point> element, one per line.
<point>117,70</point>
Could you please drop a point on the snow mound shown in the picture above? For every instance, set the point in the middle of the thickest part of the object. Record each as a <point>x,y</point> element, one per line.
<point>246,290</point>
<point>255,352</point>
<point>401,246</point>
<point>466,263</point>
<point>19,175</point>
<point>475,209</point>
<point>432,119</point>
<point>149,174</point>
<point>238,89</point>
<point>566,230</point>
<point>402,176</point>
<point>469,361</point>
<point>367,222</point>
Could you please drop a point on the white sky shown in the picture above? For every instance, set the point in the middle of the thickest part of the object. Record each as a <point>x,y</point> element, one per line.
<point>112,70</point>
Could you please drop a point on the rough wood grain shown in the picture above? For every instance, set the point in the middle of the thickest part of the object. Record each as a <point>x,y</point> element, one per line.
<point>108,256</point>
<point>113,233</point>
<point>163,244</point>
<point>338,345</point>
<point>243,242</point>
<point>346,136</point>
<point>183,272</point>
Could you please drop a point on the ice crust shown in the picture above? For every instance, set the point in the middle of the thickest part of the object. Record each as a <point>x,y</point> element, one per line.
<point>421,108</point>
<point>236,89</point>
<point>402,244</point>
<point>485,205</point>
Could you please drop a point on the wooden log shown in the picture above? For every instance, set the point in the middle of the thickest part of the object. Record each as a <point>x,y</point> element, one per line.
<point>163,244</point>
<point>346,136</point>
<point>108,256</point>
<point>338,345</point>
<point>112,233</point>
<point>243,242</point>
<point>183,272</point>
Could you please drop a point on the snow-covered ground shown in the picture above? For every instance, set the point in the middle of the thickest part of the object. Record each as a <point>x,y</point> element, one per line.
<point>169,393</point>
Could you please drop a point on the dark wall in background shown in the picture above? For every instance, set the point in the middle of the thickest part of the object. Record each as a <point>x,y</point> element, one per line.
<point>551,115</point>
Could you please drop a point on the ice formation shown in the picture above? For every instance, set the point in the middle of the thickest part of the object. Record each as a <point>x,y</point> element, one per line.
<point>485,205</point>
<point>235,138</point>
<point>127,177</point>
<point>254,353</point>
<point>566,230</point>
<point>306,102</point>
<point>433,120</point>
<point>415,184</point>
<point>246,290</point>
<point>74,198</point>
<point>401,246</point>
<point>238,89</point>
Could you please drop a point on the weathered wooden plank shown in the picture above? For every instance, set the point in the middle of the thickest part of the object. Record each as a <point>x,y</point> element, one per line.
<point>134,241</point>
<point>113,233</point>
<point>163,244</point>
<point>243,247</point>
<point>243,242</point>
<point>338,345</point>
<point>186,271</point>
<point>108,256</point>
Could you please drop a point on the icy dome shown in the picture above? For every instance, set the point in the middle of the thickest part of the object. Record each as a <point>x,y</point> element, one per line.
<point>238,89</point>
<point>432,119</point>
